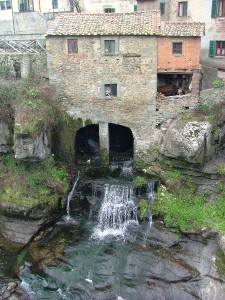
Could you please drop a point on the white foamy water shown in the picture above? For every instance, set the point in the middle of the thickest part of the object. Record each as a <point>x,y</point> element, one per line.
<point>118,211</point>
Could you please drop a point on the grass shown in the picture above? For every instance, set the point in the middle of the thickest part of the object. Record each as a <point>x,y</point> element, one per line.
<point>27,184</point>
<point>182,208</point>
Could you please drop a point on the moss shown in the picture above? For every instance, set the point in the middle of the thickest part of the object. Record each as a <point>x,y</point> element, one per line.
<point>27,185</point>
<point>220,262</point>
<point>143,206</point>
<point>139,181</point>
<point>104,156</point>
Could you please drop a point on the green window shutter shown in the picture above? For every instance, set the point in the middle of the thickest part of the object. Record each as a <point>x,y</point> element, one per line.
<point>162,8</point>
<point>212,45</point>
<point>214,8</point>
<point>135,7</point>
<point>105,10</point>
<point>113,10</point>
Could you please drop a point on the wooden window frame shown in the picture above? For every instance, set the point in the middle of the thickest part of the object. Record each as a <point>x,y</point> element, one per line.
<point>72,46</point>
<point>177,50</point>
<point>221,8</point>
<point>184,5</point>
<point>219,46</point>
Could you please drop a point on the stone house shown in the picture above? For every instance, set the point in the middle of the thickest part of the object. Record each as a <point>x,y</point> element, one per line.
<point>105,69</point>
<point>210,12</point>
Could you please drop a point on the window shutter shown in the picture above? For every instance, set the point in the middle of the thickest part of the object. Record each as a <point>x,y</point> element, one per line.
<point>105,10</point>
<point>135,7</point>
<point>212,48</point>
<point>113,10</point>
<point>214,8</point>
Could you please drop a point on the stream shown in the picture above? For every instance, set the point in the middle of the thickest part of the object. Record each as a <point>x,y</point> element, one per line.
<point>110,254</point>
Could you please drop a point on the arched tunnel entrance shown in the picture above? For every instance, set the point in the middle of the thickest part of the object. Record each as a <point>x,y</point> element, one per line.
<point>87,146</point>
<point>93,140</point>
<point>121,143</point>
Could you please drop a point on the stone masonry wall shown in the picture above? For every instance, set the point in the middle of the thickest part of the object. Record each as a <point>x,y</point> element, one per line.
<point>190,58</point>
<point>80,79</point>
<point>30,63</point>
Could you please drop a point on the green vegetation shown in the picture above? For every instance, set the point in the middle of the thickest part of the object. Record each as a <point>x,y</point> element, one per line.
<point>139,181</point>
<point>27,184</point>
<point>220,261</point>
<point>143,206</point>
<point>218,82</point>
<point>33,105</point>
<point>183,208</point>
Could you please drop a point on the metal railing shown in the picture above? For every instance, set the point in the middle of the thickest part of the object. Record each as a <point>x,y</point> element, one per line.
<point>22,46</point>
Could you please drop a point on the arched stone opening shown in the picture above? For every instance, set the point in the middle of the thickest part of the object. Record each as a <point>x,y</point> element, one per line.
<point>87,148</point>
<point>121,143</point>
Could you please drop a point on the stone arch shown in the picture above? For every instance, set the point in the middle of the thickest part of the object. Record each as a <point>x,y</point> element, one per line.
<point>87,148</point>
<point>121,142</point>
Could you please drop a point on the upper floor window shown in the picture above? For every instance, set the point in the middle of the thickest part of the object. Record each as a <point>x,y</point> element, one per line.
<point>182,9</point>
<point>218,8</point>
<point>221,8</point>
<point>177,48</point>
<point>5,4</point>
<point>162,8</point>
<point>217,48</point>
<point>110,90</point>
<point>26,5</point>
<point>72,46</point>
<point>109,45</point>
<point>109,10</point>
<point>135,7</point>
<point>55,4</point>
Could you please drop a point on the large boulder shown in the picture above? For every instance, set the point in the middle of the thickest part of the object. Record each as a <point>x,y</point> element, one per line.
<point>189,141</point>
<point>30,148</point>
<point>5,138</point>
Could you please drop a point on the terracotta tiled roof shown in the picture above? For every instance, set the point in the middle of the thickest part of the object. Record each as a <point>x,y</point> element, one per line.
<point>137,23</point>
<point>182,29</point>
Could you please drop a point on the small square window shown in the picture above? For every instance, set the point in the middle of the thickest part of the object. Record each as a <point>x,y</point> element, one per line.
<point>177,48</point>
<point>109,46</point>
<point>182,9</point>
<point>110,90</point>
<point>109,10</point>
<point>220,48</point>
<point>72,46</point>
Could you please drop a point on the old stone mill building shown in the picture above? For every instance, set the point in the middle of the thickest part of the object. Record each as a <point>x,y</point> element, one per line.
<point>119,77</point>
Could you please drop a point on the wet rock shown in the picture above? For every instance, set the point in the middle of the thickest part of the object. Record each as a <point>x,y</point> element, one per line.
<point>188,141</point>
<point>103,287</point>
<point>221,241</point>
<point>6,294</point>
<point>209,233</point>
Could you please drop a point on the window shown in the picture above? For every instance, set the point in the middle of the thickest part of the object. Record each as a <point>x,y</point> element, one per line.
<point>26,5</point>
<point>177,48</point>
<point>72,46</point>
<point>109,10</point>
<point>135,7</point>
<point>216,48</point>
<point>182,9</point>
<point>5,4</point>
<point>162,8</point>
<point>109,45</point>
<point>221,8</point>
<point>110,90</point>
<point>54,3</point>
<point>220,48</point>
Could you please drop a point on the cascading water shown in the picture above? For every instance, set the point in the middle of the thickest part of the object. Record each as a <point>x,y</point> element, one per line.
<point>118,211</point>
<point>70,196</point>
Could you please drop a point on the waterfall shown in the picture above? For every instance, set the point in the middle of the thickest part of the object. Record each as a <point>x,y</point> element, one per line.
<point>117,212</point>
<point>70,196</point>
